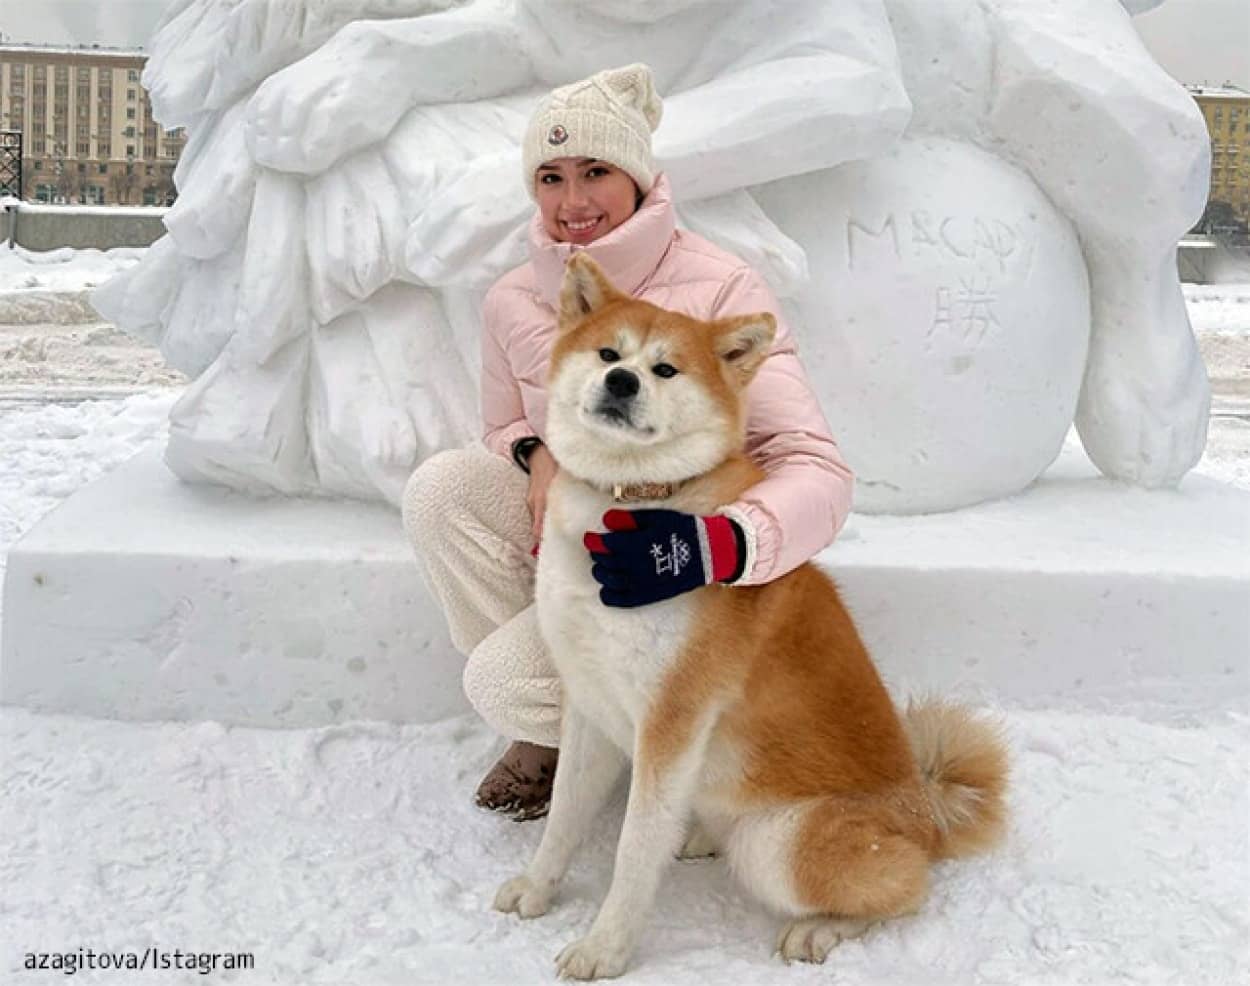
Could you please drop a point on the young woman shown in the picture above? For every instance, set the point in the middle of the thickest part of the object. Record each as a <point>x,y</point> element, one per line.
<point>475,515</point>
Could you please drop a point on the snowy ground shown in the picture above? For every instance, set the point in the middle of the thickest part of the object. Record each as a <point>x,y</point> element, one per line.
<point>352,854</point>
<point>61,270</point>
<point>53,286</point>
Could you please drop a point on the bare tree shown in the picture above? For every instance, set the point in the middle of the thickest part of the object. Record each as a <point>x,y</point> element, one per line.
<point>69,183</point>
<point>123,183</point>
<point>166,192</point>
<point>1219,217</point>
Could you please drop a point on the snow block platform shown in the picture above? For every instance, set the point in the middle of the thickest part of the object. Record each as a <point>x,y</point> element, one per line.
<point>145,598</point>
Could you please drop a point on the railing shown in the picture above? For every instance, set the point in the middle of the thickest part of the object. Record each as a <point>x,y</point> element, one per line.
<point>11,163</point>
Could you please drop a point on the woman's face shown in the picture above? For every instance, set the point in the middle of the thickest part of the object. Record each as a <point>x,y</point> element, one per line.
<point>581,199</point>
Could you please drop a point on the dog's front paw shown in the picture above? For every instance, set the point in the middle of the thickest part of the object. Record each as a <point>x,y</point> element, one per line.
<point>521,896</point>
<point>597,956</point>
<point>811,939</point>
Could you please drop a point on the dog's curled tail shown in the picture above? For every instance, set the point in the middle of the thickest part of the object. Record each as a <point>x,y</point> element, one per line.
<point>963,760</point>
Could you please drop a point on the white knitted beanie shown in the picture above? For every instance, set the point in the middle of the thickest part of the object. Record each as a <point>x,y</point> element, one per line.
<point>609,116</point>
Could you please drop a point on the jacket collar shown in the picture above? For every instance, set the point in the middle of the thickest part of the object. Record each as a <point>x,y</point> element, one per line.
<point>628,255</point>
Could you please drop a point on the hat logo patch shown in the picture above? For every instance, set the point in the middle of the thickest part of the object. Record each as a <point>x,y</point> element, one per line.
<point>557,135</point>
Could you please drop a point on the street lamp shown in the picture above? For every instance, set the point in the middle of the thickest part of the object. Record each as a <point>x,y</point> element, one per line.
<point>59,149</point>
<point>58,169</point>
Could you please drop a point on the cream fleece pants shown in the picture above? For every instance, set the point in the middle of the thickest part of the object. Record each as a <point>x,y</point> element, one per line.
<point>465,513</point>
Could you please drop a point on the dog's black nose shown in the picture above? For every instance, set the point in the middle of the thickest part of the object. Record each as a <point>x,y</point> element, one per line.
<point>621,383</point>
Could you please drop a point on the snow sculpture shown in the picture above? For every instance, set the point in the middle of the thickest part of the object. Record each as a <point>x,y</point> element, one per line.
<point>954,371</point>
<point>986,194</point>
<point>949,320</point>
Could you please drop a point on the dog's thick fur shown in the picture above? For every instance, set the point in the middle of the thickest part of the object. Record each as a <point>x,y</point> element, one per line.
<point>757,725</point>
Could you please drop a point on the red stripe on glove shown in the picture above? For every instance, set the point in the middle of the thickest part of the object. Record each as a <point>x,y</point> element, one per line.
<point>723,546</point>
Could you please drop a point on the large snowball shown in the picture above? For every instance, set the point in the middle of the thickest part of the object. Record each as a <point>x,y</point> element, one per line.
<point>946,325</point>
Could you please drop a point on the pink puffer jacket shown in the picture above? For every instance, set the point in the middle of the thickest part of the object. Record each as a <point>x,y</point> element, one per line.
<point>789,516</point>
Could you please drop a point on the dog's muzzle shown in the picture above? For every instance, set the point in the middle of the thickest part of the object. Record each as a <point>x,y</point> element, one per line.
<point>620,387</point>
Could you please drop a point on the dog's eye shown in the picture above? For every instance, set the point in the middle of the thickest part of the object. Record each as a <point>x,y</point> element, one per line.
<point>664,370</point>
<point>609,355</point>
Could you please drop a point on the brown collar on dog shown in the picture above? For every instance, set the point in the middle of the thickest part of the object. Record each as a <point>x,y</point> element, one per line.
<point>636,492</point>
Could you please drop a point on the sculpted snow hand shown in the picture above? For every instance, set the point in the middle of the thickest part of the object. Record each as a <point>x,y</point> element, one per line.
<point>651,555</point>
<point>314,113</point>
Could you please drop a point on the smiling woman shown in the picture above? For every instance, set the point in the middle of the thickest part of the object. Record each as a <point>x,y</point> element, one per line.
<point>475,518</point>
<point>582,199</point>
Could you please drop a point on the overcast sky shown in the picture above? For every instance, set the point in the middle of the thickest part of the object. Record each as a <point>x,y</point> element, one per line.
<point>1195,40</point>
<point>111,22</point>
<point>1200,40</point>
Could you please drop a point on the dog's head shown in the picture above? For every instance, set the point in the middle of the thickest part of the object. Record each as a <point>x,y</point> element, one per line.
<point>640,394</point>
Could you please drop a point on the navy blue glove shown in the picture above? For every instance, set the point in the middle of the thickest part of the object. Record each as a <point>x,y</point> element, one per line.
<point>649,555</point>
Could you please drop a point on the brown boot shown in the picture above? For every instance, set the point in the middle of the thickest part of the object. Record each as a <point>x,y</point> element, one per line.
<point>519,785</point>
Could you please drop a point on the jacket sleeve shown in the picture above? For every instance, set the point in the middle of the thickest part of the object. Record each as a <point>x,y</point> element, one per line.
<point>503,412</point>
<point>802,503</point>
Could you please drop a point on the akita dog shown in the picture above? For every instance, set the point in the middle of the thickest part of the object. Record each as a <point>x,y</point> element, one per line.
<point>757,725</point>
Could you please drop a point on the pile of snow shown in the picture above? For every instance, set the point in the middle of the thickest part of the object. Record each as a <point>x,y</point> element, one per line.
<point>78,359</point>
<point>53,286</point>
<point>62,270</point>
<point>1227,456</point>
<point>1219,307</point>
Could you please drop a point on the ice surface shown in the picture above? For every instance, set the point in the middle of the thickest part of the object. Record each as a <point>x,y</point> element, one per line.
<point>339,151</point>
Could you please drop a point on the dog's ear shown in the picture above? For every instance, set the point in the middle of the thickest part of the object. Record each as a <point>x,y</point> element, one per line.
<point>743,341</point>
<point>586,289</point>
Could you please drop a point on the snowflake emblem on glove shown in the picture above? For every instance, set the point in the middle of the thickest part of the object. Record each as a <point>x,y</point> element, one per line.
<point>672,561</point>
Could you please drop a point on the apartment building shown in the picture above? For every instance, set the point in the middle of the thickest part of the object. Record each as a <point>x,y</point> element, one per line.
<point>1227,112</point>
<point>87,130</point>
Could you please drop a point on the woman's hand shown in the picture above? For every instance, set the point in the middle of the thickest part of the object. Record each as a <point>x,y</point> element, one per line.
<point>543,470</point>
